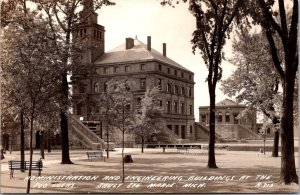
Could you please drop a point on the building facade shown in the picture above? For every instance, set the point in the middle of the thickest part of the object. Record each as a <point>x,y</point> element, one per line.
<point>133,61</point>
<point>229,124</point>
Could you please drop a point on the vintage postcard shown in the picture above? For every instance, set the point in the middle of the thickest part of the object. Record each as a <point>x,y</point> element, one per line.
<point>152,96</point>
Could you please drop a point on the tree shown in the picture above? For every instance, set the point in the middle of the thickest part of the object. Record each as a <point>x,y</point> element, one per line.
<point>249,82</point>
<point>122,98</point>
<point>65,13</point>
<point>107,112</point>
<point>29,63</point>
<point>214,21</point>
<point>148,118</point>
<point>287,31</point>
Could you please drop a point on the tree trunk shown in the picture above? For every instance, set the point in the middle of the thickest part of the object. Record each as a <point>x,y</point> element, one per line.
<point>22,139</point>
<point>49,142</point>
<point>275,145</point>
<point>142,144</point>
<point>31,151</point>
<point>288,170</point>
<point>64,123</point>
<point>42,145</point>
<point>211,147</point>
<point>64,139</point>
<point>123,145</point>
<point>107,136</point>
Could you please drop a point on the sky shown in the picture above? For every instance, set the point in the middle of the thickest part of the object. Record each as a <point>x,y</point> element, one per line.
<point>173,26</point>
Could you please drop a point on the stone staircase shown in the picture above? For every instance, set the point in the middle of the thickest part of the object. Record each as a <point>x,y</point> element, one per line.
<point>168,136</point>
<point>247,133</point>
<point>202,132</point>
<point>86,136</point>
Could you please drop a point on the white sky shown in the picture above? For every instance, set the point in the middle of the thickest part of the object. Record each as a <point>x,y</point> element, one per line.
<point>173,26</point>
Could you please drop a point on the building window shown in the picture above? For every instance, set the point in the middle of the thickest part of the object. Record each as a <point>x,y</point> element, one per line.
<point>168,70</point>
<point>182,74</point>
<point>176,89</point>
<point>116,69</point>
<point>94,33</point>
<point>220,117</point>
<point>96,88</point>
<point>143,67</point>
<point>203,119</point>
<point>169,127</point>
<point>105,87</point>
<point>182,108</point>
<point>82,88</point>
<point>97,109</point>
<point>182,91</point>
<point>175,72</point>
<point>176,129</point>
<point>168,107</point>
<point>191,109</point>
<point>159,84</point>
<point>127,69</point>
<point>227,117</point>
<point>190,91</point>
<point>100,35</point>
<point>159,67</point>
<point>169,88</point>
<point>105,70</point>
<point>236,121</point>
<point>175,107</point>
<point>139,101</point>
<point>79,109</point>
<point>190,77</point>
<point>182,131</point>
<point>191,129</point>
<point>143,83</point>
<point>160,103</point>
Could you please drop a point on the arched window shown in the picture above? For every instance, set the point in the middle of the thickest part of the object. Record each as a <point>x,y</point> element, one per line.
<point>96,88</point>
<point>220,117</point>
<point>227,117</point>
<point>169,89</point>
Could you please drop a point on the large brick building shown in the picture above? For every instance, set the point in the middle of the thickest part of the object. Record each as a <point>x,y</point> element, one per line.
<point>136,61</point>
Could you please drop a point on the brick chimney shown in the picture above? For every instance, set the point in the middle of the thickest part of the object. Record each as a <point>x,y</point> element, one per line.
<point>165,49</point>
<point>129,43</point>
<point>149,43</point>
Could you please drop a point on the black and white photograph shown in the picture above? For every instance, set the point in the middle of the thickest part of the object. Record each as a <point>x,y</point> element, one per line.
<point>149,96</point>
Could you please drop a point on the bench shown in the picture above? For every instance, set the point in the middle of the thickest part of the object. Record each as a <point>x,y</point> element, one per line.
<point>98,154</point>
<point>19,165</point>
